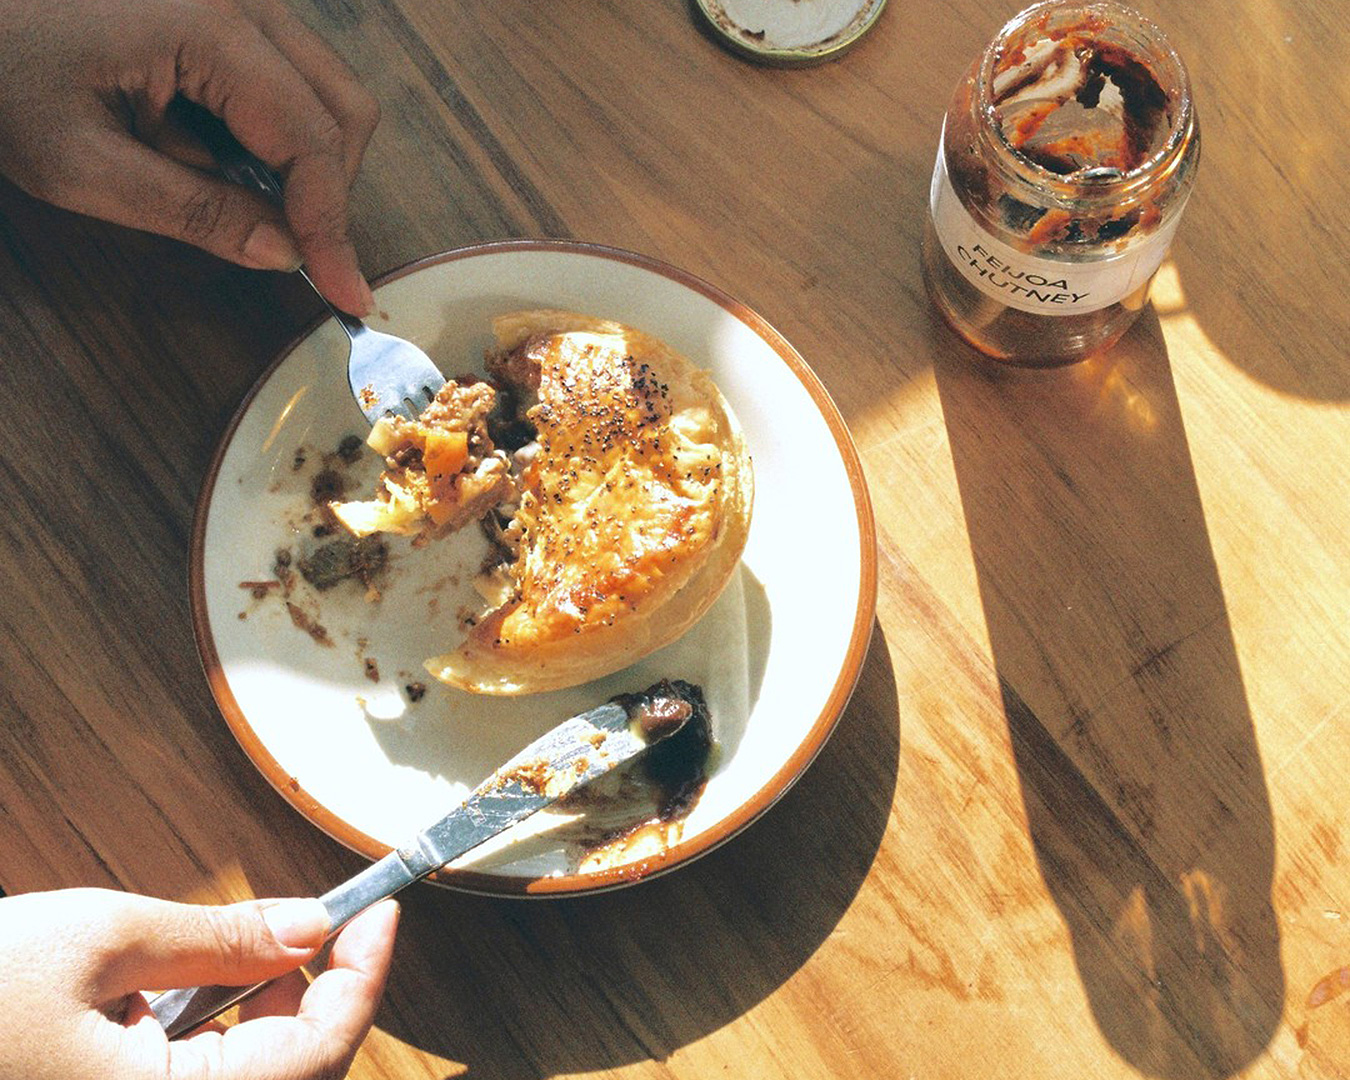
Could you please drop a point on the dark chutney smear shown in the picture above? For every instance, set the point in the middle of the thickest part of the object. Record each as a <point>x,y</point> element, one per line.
<point>677,765</point>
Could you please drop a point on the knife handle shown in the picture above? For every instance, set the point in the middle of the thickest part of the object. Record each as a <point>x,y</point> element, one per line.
<point>378,881</point>
<point>181,1011</point>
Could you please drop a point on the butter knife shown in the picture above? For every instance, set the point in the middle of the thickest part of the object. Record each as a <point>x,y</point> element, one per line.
<point>574,753</point>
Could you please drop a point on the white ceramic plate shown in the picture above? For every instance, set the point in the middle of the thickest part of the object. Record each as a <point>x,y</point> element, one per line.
<point>777,655</point>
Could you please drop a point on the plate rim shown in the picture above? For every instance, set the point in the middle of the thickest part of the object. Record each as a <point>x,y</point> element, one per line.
<point>480,882</point>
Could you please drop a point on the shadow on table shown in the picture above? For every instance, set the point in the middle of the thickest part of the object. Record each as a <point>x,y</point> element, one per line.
<point>1261,247</point>
<point>517,990</point>
<point>1129,723</point>
<point>534,988</point>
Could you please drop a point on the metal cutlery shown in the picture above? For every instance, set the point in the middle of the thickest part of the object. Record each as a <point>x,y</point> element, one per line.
<point>574,753</point>
<point>387,374</point>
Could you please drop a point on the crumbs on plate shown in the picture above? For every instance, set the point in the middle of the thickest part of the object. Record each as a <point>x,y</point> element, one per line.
<point>338,558</point>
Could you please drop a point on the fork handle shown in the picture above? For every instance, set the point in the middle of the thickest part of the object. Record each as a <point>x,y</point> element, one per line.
<point>349,323</point>
<point>243,168</point>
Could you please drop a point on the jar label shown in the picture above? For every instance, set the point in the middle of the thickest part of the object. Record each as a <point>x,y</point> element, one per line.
<point>1031,282</point>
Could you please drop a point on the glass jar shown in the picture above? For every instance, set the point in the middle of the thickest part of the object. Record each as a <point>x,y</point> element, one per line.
<point>1066,157</point>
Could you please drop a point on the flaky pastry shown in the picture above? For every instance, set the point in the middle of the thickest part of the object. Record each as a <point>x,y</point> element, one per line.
<point>612,477</point>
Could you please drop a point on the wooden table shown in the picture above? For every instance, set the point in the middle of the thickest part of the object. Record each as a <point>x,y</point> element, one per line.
<point>1085,814</point>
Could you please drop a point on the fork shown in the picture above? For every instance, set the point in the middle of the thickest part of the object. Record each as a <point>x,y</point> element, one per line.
<point>387,374</point>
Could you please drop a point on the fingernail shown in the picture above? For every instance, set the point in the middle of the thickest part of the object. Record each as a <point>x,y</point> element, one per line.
<point>268,246</point>
<point>297,924</point>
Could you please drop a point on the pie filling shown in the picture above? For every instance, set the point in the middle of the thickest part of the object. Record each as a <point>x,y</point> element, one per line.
<point>595,492</point>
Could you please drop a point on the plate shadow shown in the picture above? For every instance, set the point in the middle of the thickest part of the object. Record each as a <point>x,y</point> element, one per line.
<point>434,742</point>
<point>636,973</point>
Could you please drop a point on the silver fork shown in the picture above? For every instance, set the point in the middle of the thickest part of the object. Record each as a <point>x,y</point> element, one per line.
<point>387,374</point>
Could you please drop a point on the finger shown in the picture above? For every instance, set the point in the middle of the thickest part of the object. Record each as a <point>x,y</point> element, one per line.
<point>135,1009</point>
<point>321,1040</point>
<point>316,213</point>
<point>344,997</point>
<point>232,69</point>
<point>156,126</point>
<point>122,180</point>
<point>279,998</point>
<point>158,944</point>
<point>183,147</point>
<point>351,104</point>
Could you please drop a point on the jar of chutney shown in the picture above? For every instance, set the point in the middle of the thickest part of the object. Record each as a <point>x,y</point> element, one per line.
<point>1066,157</point>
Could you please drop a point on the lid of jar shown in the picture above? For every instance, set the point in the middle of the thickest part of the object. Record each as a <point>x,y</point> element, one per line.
<point>790,32</point>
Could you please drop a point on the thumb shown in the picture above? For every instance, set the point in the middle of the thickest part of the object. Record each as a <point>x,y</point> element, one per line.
<point>133,184</point>
<point>160,945</point>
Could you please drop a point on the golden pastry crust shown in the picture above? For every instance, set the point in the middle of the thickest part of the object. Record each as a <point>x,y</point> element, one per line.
<point>633,512</point>
<point>630,507</point>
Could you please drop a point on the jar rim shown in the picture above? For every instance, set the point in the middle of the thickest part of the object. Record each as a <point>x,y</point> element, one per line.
<point>1169,70</point>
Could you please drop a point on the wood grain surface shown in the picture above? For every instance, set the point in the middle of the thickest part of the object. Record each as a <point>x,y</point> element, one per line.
<point>1085,815</point>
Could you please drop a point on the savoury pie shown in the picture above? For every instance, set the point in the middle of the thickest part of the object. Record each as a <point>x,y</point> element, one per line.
<point>610,475</point>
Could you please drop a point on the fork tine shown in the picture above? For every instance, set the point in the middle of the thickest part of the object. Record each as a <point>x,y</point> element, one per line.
<point>424,397</point>
<point>416,400</point>
<point>391,375</point>
<point>406,408</point>
<point>386,373</point>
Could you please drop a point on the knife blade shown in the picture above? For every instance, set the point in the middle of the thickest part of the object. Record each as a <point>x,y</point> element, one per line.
<point>573,754</point>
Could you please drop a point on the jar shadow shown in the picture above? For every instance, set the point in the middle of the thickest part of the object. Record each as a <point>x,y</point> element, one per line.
<point>1138,763</point>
